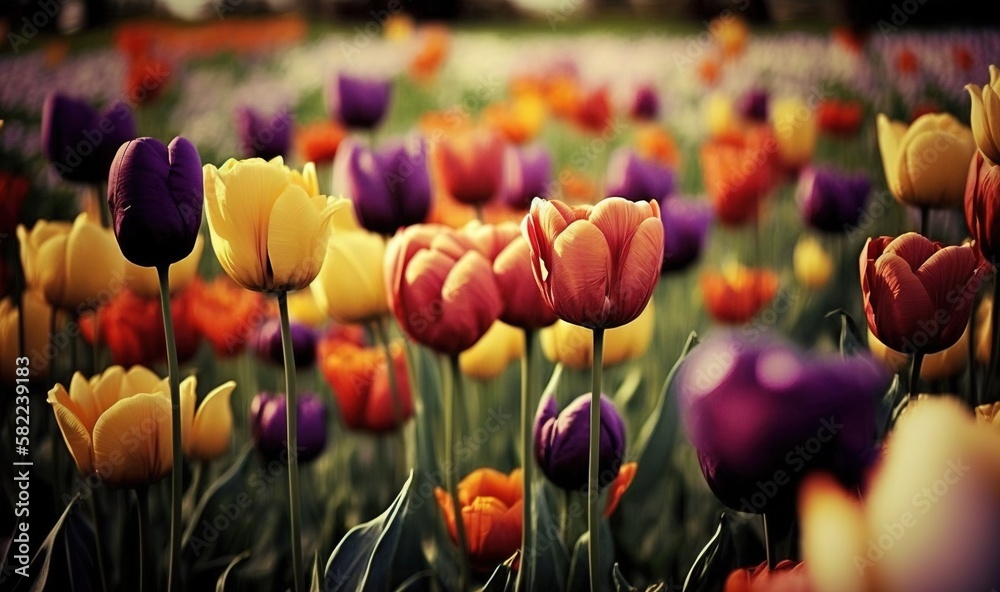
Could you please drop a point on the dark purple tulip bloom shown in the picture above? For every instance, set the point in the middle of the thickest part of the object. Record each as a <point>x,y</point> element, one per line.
<point>753,106</point>
<point>762,415</point>
<point>155,194</point>
<point>390,188</point>
<point>638,179</point>
<point>527,174</point>
<point>81,141</point>
<point>359,102</point>
<point>261,136</point>
<point>685,226</point>
<point>269,430</point>
<point>645,104</point>
<point>831,201</point>
<point>267,343</point>
<point>562,444</point>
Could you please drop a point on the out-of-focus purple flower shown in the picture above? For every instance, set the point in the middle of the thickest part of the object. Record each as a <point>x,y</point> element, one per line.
<point>753,106</point>
<point>762,415</point>
<point>262,136</point>
<point>562,445</point>
<point>645,104</point>
<point>685,226</point>
<point>267,343</point>
<point>636,178</point>
<point>831,201</point>
<point>269,430</point>
<point>526,175</point>
<point>359,102</point>
<point>390,188</point>
<point>156,193</point>
<point>81,141</point>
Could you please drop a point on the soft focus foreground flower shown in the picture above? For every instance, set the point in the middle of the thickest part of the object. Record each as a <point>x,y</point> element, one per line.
<point>645,104</point>
<point>523,303</point>
<point>359,102</point>
<point>982,206</point>
<point>527,174</point>
<point>738,171</point>
<point>470,165</point>
<point>830,201</point>
<point>227,315</point>
<point>267,343</point>
<point>268,223</point>
<point>685,227</point>
<point>350,286</point>
<point>145,281</point>
<point>519,120</point>
<point>794,125</point>
<point>597,265</point>
<point>490,356</point>
<point>736,294</point>
<point>918,294</point>
<point>491,512</point>
<point>562,444</point>
<point>813,266</point>
<point>944,364</point>
<point>13,189</point>
<point>787,576</point>
<point>926,164</point>
<point>930,519</point>
<point>760,411</point>
<point>263,136</point>
<point>206,428</point>
<point>37,322</point>
<point>637,179</point>
<point>81,142</point>
<point>839,118</point>
<point>268,425</point>
<point>319,141</point>
<point>573,345</point>
<point>77,265</point>
<point>985,116</point>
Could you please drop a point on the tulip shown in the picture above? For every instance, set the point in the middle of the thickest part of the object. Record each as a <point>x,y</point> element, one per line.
<point>572,345</point>
<point>390,188</point>
<point>982,203</point>
<point>618,487</point>
<point>656,143</point>
<point>13,190</point>
<point>944,364</point>
<point>349,287</point>
<point>597,266</point>
<point>358,102</point>
<point>267,424</point>
<point>303,308</point>
<point>432,54</point>
<point>81,142</point>
<point>985,116</point>
<point>839,118</point>
<point>77,265</point>
<point>319,142</point>
<point>813,266</point>
<point>527,174</point>
<point>490,504</point>
<point>739,172</point>
<point>720,116</point>
<point>786,576</point>
<point>261,136</point>
<point>145,281</point>
<point>753,105</point>
<point>738,293</point>
<point>518,121</point>
<point>490,356</point>
<point>926,164</point>
<point>636,178</point>
<point>561,445</point>
<point>685,227</point>
<point>37,321</point>
<point>227,315</point>
<point>207,428</point>
<point>275,238</point>
<point>742,402</point>
<point>730,32</point>
<point>830,201</point>
<point>645,105</point>
<point>794,126</point>
<point>918,295</point>
<point>267,343</point>
<point>523,303</point>
<point>471,165</point>
<point>988,415</point>
<point>593,112</point>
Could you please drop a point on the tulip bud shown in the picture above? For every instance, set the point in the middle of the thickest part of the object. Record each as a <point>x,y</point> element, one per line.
<point>812,264</point>
<point>470,165</point>
<point>490,356</point>
<point>358,102</point>
<point>645,104</point>
<point>268,345</point>
<point>738,293</point>
<point>269,428</point>
<point>985,118</point>
<point>491,513</point>
<point>982,204</point>
<point>794,126</point>
<point>638,179</point>
<point>527,174</point>
<point>830,201</point>
<point>262,136</point>
<point>685,227</point>
<point>562,446</point>
<point>349,287</point>
<point>81,142</point>
<point>739,171</point>
<point>753,105</point>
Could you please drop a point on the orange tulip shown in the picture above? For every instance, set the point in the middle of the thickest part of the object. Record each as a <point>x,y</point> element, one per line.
<point>597,265</point>
<point>432,53</point>
<point>491,512</point>
<point>618,487</point>
<point>470,165</point>
<point>656,143</point>
<point>227,315</point>
<point>593,113</point>
<point>738,293</point>
<point>518,121</point>
<point>787,576</point>
<point>739,172</point>
<point>318,142</point>
<point>524,306</point>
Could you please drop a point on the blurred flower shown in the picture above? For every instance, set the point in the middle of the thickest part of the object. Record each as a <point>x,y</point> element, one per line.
<point>685,226</point>
<point>907,62</point>
<point>731,33</point>
<point>146,78</point>
<point>753,105</point>
<point>145,281</point>
<point>470,164</point>
<point>988,415</point>
<point>81,142</point>
<point>155,194</point>
<point>524,305</point>
<point>962,58</point>
<point>839,118</point>
<point>918,294</point>
<point>269,428</point>
<point>655,143</point>
<point>597,265</point>
<point>593,112</point>
<point>985,117</point>
<point>982,206</point>
<point>645,105</point>
<point>561,442</point>
<point>77,265</point>
<point>984,330</point>
<point>636,178</point>
<point>491,512</point>
<point>758,410</point>
<point>359,102</point>
<point>926,164</point>
<point>227,315</point>
<point>577,185</point>
<point>944,364</point>
<point>267,343</point>
<point>350,286</point>
<point>527,174</point>
<point>318,141</point>
<point>619,486</point>
<point>398,27</point>
<point>13,189</point>
<point>432,53</point>
<point>563,95</point>
<point>794,125</point>
<point>206,432</point>
<point>37,323</point>
<point>736,294</point>
<point>813,266</point>
<point>831,201</point>
<point>738,171</point>
<point>720,116</point>
<point>851,38</point>
<point>490,356</point>
<point>573,345</point>
<point>787,576</point>
<point>263,136</point>
<point>519,120</point>
<point>268,223</point>
<point>709,70</point>
<point>302,308</point>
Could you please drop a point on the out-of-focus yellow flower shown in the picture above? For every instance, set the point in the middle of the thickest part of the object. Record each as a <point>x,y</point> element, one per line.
<point>519,120</point>
<point>943,364</point>
<point>37,320</point>
<point>350,287</point>
<point>731,33</point>
<point>145,282</point>
<point>269,224</point>
<point>989,414</point>
<point>574,345</point>
<point>205,433</point>
<point>926,164</point>
<point>986,115</point>
<point>398,27</point>
<point>303,308</point>
<point>812,264</point>
<point>76,265</point>
<point>794,125</point>
<point>720,116</point>
<point>490,356</point>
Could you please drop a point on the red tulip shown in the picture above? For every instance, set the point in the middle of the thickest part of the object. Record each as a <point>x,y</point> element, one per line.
<point>787,576</point>
<point>918,294</point>
<point>737,294</point>
<point>227,315</point>
<point>524,306</point>
<point>840,118</point>
<point>470,165</point>
<point>739,172</point>
<point>982,205</point>
<point>593,113</point>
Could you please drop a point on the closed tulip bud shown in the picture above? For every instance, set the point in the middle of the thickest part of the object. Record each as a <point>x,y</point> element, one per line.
<point>37,323</point>
<point>812,264</point>
<point>268,346</point>
<point>685,227</point>
<point>81,142</point>
<point>470,164</point>
<point>523,303</point>
<point>985,116</point>
<point>527,174</point>
<point>926,163</point>
<point>753,105</point>
<point>263,136</point>
<point>206,429</point>
<point>830,201</point>
<point>269,429</point>
<point>490,356</point>
<point>359,103</point>
<point>638,179</point>
<point>349,287</point>
<point>562,446</point>
<point>795,129</point>
<point>145,282</point>
<point>491,513</point>
<point>573,345</point>
<point>645,105</point>
<point>737,294</point>
<point>982,206</point>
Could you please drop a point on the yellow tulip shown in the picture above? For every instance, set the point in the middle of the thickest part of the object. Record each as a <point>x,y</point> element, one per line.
<point>795,130</point>
<point>76,265</point>
<point>145,282</point>
<point>986,115</point>
<point>927,163</point>
<point>37,320</point>
<point>490,356</point>
<point>574,345</point>
<point>269,224</point>
<point>943,364</point>
<point>812,264</point>
<point>303,308</point>
<point>350,287</point>
<point>205,433</point>
<point>720,115</point>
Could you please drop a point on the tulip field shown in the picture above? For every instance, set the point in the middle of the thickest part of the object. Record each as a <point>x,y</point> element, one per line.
<point>288,305</point>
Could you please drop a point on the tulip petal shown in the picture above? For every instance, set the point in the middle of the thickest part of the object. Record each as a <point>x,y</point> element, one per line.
<point>834,535</point>
<point>107,389</point>
<point>81,392</point>
<point>471,300</point>
<point>132,441</point>
<point>49,269</point>
<point>914,248</point>
<point>189,399</point>
<point>75,433</point>
<point>899,301</point>
<point>140,379</point>
<point>991,119</point>
<point>94,265</point>
<point>980,124</point>
<point>213,424</point>
<point>890,134</point>
<point>296,242</point>
<point>581,266</point>
<point>933,165</point>
<point>639,271</point>
<point>617,219</point>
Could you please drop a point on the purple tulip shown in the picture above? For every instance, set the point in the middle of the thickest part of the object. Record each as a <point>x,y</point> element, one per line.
<point>645,104</point>
<point>562,445</point>
<point>762,415</point>
<point>80,141</point>
<point>685,226</point>
<point>636,178</point>
<point>267,343</point>
<point>831,201</point>
<point>390,188</point>
<point>269,430</point>
<point>527,174</point>
<point>753,106</point>
<point>261,136</point>
<point>155,194</point>
<point>359,102</point>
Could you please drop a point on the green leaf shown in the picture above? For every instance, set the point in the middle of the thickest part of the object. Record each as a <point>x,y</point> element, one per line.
<point>504,577</point>
<point>733,546</point>
<point>317,578</point>
<point>621,584</point>
<point>416,581</point>
<point>628,388</point>
<point>228,485</point>
<point>550,560</point>
<point>45,550</point>
<point>850,337</point>
<point>579,571</point>
<point>220,585</point>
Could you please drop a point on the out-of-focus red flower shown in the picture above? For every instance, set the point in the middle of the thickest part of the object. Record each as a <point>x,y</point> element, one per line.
<point>656,143</point>
<point>13,190</point>
<point>907,62</point>
<point>593,113</point>
<point>850,38</point>
<point>147,78</point>
<point>619,486</point>
<point>923,108</point>
<point>739,171</point>
<point>840,118</point>
<point>318,141</point>
<point>470,165</point>
<point>227,315</point>
<point>736,294</point>
<point>432,53</point>
<point>962,57</point>
<point>787,576</point>
<point>709,70</point>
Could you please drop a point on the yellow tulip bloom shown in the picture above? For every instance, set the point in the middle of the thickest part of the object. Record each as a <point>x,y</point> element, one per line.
<point>490,356</point>
<point>812,264</point>
<point>37,320</point>
<point>145,282</point>
<point>350,287</point>
<point>986,115</point>
<point>303,308</point>
<point>205,433</point>
<point>720,115</point>
<point>574,345</point>
<point>269,224</point>
<point>795,130</point>
<point>77,265</point>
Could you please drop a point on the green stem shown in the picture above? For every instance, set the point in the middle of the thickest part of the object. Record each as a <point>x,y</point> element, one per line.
<point>918,360</point>
<point>102,205</point>
<point>768,544</point>
<point>527,462</point>
<point>453,390</point>
<point>98,539</point>
<point>292,435</point>
<point>593,516</point>
<point>177,474</point>
<point>925,220</point>
<point>142,496</point>
<point>564,518</point>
